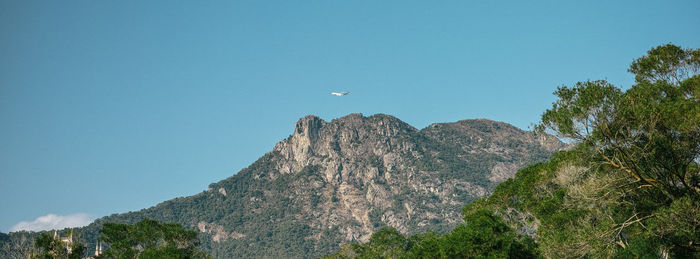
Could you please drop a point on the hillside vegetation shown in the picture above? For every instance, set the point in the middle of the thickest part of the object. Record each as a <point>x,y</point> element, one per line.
<point>629,189</point>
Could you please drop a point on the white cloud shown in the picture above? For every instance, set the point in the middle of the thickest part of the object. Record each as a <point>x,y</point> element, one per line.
<point>53,221</point>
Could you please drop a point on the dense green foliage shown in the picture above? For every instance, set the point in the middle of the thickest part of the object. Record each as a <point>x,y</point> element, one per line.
<point>16,244</point>
<point>650,131</point>
<point>483,235</point>
<point>149,239</point>
<point>649,138</point>
<point>51,247</point>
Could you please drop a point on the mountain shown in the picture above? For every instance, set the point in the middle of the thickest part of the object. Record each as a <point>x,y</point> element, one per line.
<point>340,181</point>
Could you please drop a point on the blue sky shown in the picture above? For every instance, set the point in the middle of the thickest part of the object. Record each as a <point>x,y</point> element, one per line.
<point>115,106</point>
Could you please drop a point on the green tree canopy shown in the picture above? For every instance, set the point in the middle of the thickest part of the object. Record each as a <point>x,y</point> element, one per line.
<point>149,239</point>
<point>483,235</point>
<point>52,247</point>
<point>385,243</point>
<point>648,134</point>
<point>651,131</point>
<point>668,63</point>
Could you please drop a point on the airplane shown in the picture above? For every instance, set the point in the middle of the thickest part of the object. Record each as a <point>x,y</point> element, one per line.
<point>340,94</point>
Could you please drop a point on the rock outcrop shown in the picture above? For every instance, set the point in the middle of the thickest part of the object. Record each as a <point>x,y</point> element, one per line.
<point>356,174</point>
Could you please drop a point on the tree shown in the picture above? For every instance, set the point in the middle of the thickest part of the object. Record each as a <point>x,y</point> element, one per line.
<point>53,247</point>
<point>149,239</point>
<point>651,135</point>
<point>16,245</point>
<point>651,132</point>
<point>668,63</point>
<point>426,245</point>
<point>484,235</point>
<point>385,243</point>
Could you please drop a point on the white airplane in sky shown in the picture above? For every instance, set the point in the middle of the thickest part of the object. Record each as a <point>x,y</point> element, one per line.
<point>340,94</point>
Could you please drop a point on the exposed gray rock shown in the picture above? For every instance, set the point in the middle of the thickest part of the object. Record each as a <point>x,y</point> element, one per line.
<point>377,165</point>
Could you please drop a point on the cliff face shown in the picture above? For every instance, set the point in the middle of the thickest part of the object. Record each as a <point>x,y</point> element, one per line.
<point>339,181</point>
<point>358,160</point>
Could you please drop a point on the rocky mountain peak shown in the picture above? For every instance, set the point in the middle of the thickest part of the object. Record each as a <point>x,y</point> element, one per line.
<point>338,146</point>
<point>308,126</point>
